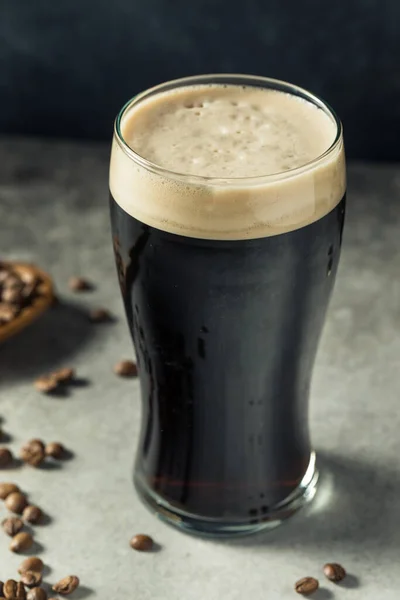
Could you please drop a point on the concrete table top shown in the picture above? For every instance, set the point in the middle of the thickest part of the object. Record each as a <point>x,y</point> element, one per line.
<point>53,211</point>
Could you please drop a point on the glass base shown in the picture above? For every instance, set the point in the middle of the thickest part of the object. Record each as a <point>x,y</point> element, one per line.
<point>217,528</point>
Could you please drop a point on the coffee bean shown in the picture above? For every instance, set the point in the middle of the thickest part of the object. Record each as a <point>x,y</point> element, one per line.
<point>21,542</point>
<point>37,593</point>
<point>334,572</point>
<point>306,585</point>
<point>16,502</point>
<point>32,453</point>
<point>32,514</point>
<point>79,284</point>
<point>46,384</point>
<point>13,296</point>
<point>33,563</point>
<point>12,526</point>
<point>6,458</point>
<point>31,578</point>
<point>7,312</point>
<point>55,450</point>
<point>13,590</point>
<point>141,542</point>
<point>67,585</point>
<point>6,489</point>
<point>126,368</point>
<point>64,375</point>
<point>100,315</point>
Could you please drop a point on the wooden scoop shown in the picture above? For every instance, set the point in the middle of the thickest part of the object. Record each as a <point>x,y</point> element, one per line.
<point>40,304</point>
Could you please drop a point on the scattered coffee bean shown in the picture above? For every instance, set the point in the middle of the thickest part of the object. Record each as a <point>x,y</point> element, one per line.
<point>79,284</point>
<point>100,315</point>
<point>306,585</point>
<point>46,384</point>
<point>6,458</point>
<point>13,590</point>
<point>12,526</point>
<point>141,542</point>
<point>32,453</point>
<point>55,450</point>
<point>64,375</point>
<point>32,514</point>
<point>33,563</point>
<point>126,368</point>
<point>16,502</point>
<point>21,542</point>
<point>334,572</point>
<point>31,578</point>
<point>67,585</point>
<point>37,593</point>
<point>6,489</point>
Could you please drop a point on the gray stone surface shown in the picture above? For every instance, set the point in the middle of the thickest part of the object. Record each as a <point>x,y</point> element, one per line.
<point>53,210</point>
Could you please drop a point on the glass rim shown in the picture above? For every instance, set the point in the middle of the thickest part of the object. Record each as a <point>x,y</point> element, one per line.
<point>238,79</point>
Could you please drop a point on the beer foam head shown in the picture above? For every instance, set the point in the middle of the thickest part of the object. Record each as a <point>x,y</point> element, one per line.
<point>225,161</point>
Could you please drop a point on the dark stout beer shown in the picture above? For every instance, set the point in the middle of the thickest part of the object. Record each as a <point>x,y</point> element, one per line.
<point>226,320</point>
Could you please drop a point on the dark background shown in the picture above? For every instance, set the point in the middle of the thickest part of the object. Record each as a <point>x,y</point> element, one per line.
<point>66,66</point>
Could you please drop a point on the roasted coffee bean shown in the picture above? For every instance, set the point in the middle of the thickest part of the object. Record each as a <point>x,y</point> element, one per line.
<point>64,375</point>
<point>21,542</point>
<point>100,315</point>
<point>7,312</point>
<point>37,593</point>
<point>55,450</point>
<point>141,542</point>
<point>31,578</point>
<point>6,489</point>
<point>32,514</point>
<point>67,585</point>
<point>306,585</point>
<point>13,590</point>
<point>79,284</point>
<point>16,502</point>
<point>6,458</point>
<point>126,368</point>
<point>46,384</point>
<point>12,526</point>
<point>334,572</point>
<point>32,453</point>
<point>33,563</point>
<point>13,296</point>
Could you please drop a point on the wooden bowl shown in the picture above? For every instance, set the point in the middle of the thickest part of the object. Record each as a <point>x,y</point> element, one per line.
<point>38,306</point>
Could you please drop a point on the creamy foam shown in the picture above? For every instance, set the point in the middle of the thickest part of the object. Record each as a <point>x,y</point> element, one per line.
<point>228,132</point>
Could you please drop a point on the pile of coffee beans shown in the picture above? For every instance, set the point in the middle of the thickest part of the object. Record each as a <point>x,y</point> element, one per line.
<point>308,585</point>
<point>29,587</point>
<point>18,290</point>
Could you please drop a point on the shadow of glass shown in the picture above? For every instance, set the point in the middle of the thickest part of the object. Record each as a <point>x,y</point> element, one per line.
<point>356,505</point>
<point>47,343</point>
